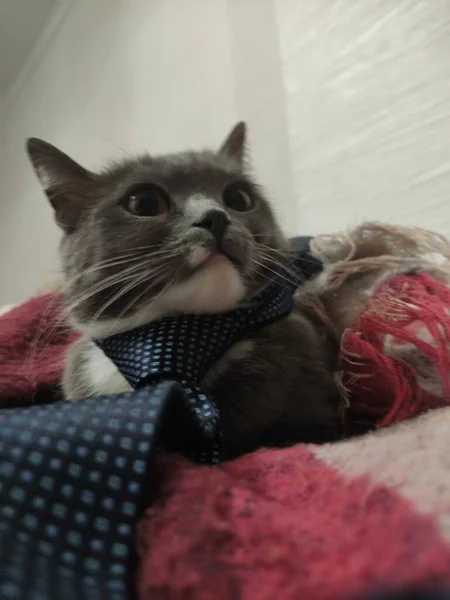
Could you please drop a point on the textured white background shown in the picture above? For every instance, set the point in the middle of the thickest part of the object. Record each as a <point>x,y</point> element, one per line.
<point>368,101</point>
<point>347,101</point>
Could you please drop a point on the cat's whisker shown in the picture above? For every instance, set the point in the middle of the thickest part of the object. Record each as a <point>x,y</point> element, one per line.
<point>74,280</point>
<point>264,247</point>
<point>272,249</point>
<point>280,283</point>
<point>134,301</point>
<point>279,256</point>
<point>275,267</point>
<point>43,335</point>
<point>279,275</point>
<point>39,340</point>
<point>111,280</point>
<point>134,283</point>
<point>136,255</point>
<point>283,266</point>
<point>172,281</point>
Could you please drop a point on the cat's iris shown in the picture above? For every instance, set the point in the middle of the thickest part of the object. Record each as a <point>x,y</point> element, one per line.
<point>149,202</point>
<point>237,198</point>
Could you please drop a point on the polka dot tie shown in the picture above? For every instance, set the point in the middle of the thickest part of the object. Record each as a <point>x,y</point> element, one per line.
<point>75,476</point>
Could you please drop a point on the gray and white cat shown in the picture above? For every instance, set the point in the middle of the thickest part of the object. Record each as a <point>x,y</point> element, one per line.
<point>187,233</point>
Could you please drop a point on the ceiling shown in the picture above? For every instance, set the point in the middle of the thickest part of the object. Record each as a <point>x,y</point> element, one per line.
<point>21,22</point>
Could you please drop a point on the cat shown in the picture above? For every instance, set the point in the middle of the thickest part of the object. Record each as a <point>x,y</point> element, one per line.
<point>190,232</point>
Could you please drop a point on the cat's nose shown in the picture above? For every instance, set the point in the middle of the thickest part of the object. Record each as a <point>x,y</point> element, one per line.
<point>216,221</point>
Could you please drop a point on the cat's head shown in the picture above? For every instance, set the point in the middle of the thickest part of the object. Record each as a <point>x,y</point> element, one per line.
<point>159,235</point>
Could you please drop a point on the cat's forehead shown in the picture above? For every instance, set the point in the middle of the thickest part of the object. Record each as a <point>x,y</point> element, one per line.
<point>179,173</point>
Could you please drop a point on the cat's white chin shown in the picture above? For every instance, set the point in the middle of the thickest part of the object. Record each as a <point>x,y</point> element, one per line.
<point>216,286</point>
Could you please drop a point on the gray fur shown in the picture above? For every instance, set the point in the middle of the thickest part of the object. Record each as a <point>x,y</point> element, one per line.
<point>283,391</point>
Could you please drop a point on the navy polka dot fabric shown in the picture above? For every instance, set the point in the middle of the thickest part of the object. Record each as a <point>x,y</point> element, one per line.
<point>71,478</point>
<point>184,349</point>
<point>75,476</point>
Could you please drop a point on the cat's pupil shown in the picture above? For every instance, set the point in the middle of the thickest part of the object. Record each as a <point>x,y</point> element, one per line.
<point>238,199</point>
<point>150,203</point>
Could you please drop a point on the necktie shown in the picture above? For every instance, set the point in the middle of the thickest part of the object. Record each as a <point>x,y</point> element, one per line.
<point>74,476</point>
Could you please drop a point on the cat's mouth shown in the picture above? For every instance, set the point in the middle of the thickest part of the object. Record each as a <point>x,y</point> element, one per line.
<point>201,257</point>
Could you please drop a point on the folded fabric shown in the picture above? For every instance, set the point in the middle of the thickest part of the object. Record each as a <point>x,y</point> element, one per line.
<point>339,521</point>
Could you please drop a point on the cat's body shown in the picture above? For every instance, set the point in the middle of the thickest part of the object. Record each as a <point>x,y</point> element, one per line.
<point>188,233</point>
<point>273,389</point>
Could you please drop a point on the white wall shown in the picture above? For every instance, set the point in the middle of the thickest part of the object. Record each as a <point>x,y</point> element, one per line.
<point>119,76</point>
<point>368,101</point>
<point>347,101</point>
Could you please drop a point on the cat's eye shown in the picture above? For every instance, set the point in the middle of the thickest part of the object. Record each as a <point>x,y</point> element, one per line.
<point>237,198</point>
<point>148,202</point>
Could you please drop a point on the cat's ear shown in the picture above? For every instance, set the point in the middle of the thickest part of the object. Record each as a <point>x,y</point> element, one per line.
<point>234,146</point>
<point>67,184</point>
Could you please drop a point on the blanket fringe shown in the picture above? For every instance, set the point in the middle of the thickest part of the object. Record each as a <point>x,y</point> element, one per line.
<point>395,359</point>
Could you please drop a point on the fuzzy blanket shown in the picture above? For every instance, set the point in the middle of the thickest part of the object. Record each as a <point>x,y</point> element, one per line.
<point>311,522</point>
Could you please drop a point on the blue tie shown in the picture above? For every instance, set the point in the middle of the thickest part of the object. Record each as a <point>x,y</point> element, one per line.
<point>75,476</point>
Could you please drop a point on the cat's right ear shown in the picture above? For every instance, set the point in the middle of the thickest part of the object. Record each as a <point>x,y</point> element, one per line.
<point>67,184</point>
<point>234,146</point>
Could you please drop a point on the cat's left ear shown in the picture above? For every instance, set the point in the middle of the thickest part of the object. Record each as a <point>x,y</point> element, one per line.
<point>234,146</point>
<point>67,184</point>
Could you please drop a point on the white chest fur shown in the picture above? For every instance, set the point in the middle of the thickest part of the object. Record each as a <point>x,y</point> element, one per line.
<point>103,377</point>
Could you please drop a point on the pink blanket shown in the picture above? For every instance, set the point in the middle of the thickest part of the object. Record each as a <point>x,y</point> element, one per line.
<point>309,522</point>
